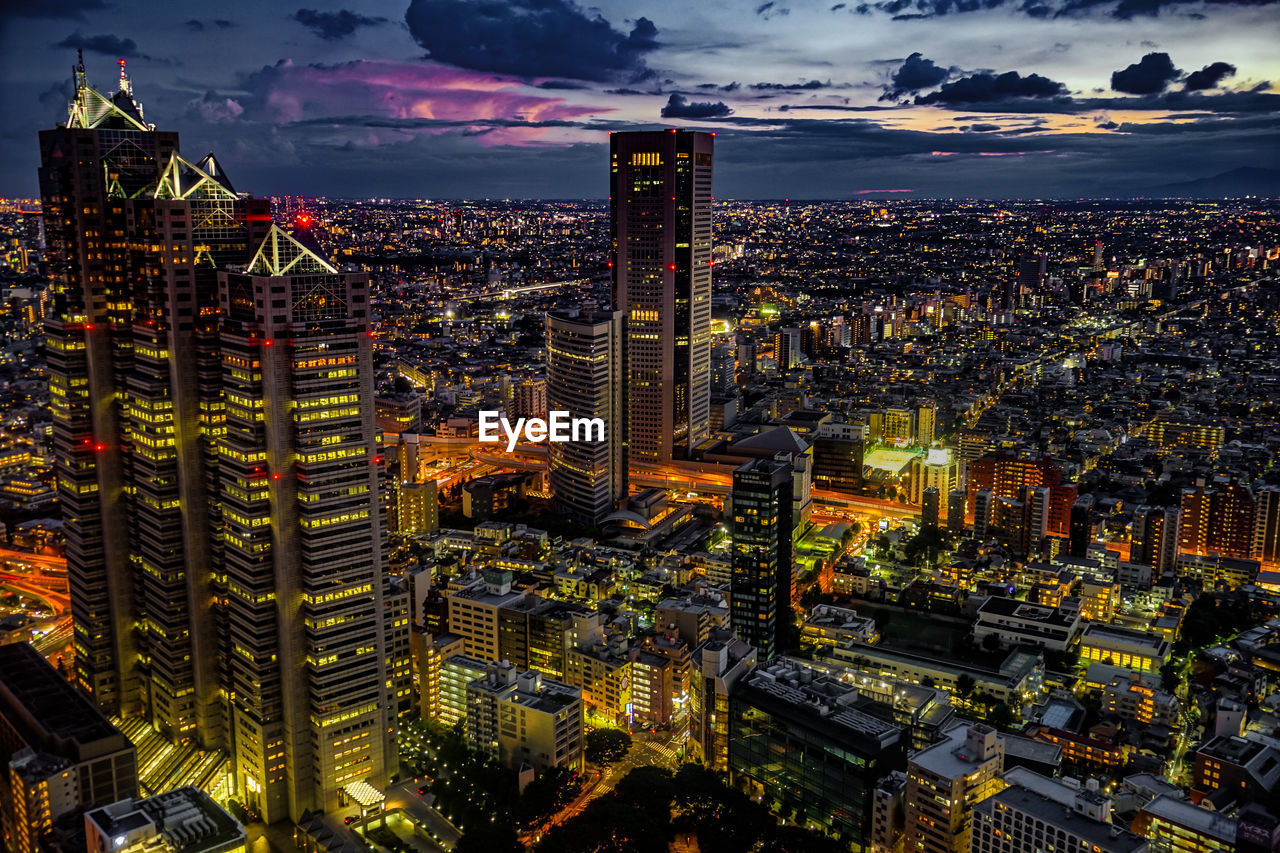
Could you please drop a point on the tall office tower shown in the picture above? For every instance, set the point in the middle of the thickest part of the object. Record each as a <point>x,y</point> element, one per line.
<point>89,167</point>
<point>926,423</point>
<point>762,581</point>
<point>899,426</point>
<point>584,378</point>
<point>1154,540</point>
<point>1098,261</point>
<point>660,201</point>
<point>939,470</point>
<point>943,784</point>
<point>302,549</point>
<point>137,233</point>
<point>724,379</point>
<point>1035,524</point>
<point>955,511</point>
<point>1266,525</point>
<point>1220,520</point>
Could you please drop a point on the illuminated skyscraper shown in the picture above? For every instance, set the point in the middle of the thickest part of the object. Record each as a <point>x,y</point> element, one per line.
<point>302,543</point>
<point>215,445</point>
<point>136,232</point>
<point>660,198</point>
<point>584,378</point>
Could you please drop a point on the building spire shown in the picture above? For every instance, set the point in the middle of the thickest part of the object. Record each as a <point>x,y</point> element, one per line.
<point>126,85</point>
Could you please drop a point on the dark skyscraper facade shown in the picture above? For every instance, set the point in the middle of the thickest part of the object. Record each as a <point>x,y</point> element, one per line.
<point>660,198</point>
<point>761,578</point>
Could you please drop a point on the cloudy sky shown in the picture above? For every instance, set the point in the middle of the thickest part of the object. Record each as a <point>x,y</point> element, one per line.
<point>485,98</point>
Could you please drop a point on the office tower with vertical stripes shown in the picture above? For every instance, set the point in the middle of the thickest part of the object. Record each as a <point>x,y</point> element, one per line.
<point>216,459</point>
<point>660,201</point>
<point>584,378</point>
<point>303,551</point>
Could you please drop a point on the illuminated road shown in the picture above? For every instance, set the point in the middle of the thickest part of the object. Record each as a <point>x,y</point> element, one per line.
<point>44,578</point>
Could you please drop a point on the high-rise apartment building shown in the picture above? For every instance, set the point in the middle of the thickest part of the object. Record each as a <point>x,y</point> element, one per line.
<point>660,201</point>
<point>584,378</point>
<point>1154,540</point>
<point>762,581</point>
<point>943,784</point>
<point>302,534</point>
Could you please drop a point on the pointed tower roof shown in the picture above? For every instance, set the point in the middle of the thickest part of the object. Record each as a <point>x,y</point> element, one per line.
<point>211,167</point>
<point>90,108</point>
<point>183,179</point>
<point>280,254</point>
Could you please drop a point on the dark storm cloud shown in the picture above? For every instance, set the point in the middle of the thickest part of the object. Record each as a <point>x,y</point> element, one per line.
<point>915,73</point>
<point>785,87</point>
<point>561,84</point>
<point>332,26</point>
<point>48,8</point>
<point>1209,76</point>
<point>987,88</point>
<point>530,38</point>
<point>106,44</point>
<point>1149,75</point>
<point>198,26</point>
<point>678,106</point>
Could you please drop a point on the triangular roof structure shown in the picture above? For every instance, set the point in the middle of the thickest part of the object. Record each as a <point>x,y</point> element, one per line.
<point>183,179</point>
<point>778,438</point>
<point>92,109</point>
<point>280,254</point>
<point>211,167</point>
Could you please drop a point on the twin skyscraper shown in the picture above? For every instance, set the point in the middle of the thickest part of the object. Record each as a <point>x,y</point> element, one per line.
<point>212,393</point>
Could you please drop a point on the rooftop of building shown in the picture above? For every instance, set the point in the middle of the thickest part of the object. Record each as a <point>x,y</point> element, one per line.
<point>815,701</point>
<point>1186,814</point>
<point>1098,835</point>
<point>1098,632</point>
<point>44,707</point>
<point>1012,607</point>
<point>186,818</point>
<point>949,758</point>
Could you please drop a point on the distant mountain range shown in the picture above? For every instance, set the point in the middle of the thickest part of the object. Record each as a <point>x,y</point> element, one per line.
<point>1247,180</point>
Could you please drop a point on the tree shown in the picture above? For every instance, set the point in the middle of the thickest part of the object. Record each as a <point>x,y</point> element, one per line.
<point>965,685</point>
<point>606,746</point>
<point>991,642</point>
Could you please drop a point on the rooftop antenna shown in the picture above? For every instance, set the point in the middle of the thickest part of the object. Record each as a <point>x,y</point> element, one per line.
<point>125,85</point>
<point>77,70</point>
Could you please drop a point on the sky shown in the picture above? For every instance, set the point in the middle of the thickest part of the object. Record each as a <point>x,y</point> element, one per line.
<point>833,100</point>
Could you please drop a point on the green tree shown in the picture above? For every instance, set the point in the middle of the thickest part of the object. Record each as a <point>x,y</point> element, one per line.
<point>606,746</point>
<point>965,685</point>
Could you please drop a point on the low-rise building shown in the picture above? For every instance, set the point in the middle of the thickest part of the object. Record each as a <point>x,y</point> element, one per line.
<point>1144,651</point>
<point>184,820</point>
<point>1014,623</point>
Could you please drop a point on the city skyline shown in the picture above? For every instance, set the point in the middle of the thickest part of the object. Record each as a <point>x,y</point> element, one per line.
<point>931,99</point>
<point>877,526</point>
